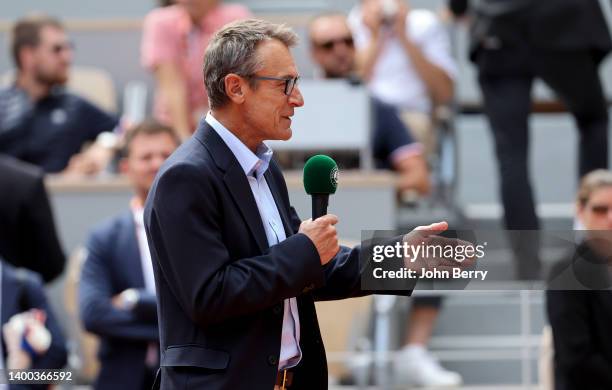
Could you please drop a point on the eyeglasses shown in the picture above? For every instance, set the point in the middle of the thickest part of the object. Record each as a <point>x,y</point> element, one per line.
<point>290,83</point>
<point>329,45</point>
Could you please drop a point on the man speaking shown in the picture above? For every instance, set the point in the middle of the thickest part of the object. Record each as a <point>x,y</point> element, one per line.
<point>236,271</point>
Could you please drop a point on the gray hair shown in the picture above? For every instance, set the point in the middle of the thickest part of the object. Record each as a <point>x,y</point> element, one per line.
<point>232,50</point>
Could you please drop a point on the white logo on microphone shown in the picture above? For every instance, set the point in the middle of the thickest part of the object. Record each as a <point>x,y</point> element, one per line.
<point>333,175</point>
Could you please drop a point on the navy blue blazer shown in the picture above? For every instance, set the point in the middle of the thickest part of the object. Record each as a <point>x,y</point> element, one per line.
<point>21,291</point>
<point>220,287</point>
<point>112,265</point>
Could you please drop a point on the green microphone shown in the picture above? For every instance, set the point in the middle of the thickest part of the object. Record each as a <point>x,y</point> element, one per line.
<point>320,180</point>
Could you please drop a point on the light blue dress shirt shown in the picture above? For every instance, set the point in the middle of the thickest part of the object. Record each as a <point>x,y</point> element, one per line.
<point>254,166</point>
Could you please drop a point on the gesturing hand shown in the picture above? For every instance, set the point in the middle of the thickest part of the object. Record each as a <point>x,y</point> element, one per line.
<point>431,256</point>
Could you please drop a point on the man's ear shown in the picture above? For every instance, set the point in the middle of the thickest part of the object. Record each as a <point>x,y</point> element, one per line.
<point>25,55</point>
<point>235,88</point>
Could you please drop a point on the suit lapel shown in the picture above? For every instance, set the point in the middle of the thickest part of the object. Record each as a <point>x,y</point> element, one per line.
<point>235,181</point>
<point>238,186</point>
<point>282,210</point>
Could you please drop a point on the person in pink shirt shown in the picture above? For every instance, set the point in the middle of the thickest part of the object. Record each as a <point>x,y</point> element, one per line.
<point>173,44</point>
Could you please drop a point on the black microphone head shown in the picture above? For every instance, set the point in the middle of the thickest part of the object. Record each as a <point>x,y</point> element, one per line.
<point>320,175</point>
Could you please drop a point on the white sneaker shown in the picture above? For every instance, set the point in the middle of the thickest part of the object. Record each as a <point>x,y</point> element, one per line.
<point>415,366</point>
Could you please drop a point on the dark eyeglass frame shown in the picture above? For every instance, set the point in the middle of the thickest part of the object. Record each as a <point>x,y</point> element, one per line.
<point>290,82</point>
<point>328,45</point>
<point>599,209</point>
<point>60,47</point>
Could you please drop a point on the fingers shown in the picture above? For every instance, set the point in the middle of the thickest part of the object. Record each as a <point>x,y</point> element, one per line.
<point>434,227</point>
<point>305,222</point>
<point>402,8</point>
<point>328,219</point>
<point>323,234</point>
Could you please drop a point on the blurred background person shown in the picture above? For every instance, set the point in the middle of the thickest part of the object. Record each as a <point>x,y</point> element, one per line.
<point>27,230</point>
<point>117,290</point>
<point>404,55</point>
<point>562,43</point>
<point>173,43</point>
<point>31,337</point>
<point>332,48</point>
<point>580,320</point>
<point>40,122</point>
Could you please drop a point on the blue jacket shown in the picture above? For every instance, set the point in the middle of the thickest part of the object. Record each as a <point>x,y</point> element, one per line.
<point>112,265</point>
<point>221,287</point>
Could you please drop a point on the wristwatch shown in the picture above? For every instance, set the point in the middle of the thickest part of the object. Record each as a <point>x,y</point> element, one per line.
<point>130,298</point>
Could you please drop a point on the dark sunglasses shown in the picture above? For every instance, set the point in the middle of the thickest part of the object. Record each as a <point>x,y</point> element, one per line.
<point>60,47</point>
<point>290,83</point>
<point>600,209</point>
<point>328,45</point>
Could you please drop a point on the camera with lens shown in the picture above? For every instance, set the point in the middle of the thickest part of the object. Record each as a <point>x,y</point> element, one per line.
<point>389,11</point>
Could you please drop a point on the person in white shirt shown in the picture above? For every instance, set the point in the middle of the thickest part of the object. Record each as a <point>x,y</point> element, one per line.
<point>404,55</point>
<point>117,298</point>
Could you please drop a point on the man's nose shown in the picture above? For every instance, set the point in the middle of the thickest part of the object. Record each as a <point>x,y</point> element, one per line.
<point>341,47</point>
<point>296,99</point>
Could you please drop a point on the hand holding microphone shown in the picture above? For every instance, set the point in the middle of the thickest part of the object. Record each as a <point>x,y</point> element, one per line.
<point>323,235</point>
<point>321,180</point>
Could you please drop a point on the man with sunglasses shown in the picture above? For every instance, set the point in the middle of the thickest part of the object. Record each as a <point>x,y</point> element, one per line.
<point>40,122</point>
<point>331,47</point>
<point>579,300</point>
<point>404,56</point>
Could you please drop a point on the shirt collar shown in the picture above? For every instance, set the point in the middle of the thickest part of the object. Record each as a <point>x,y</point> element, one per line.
<point>250,162</point>
<point>137,212</point>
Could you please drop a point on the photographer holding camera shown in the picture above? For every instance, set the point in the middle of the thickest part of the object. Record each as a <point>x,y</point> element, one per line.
<point>404,56</point>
